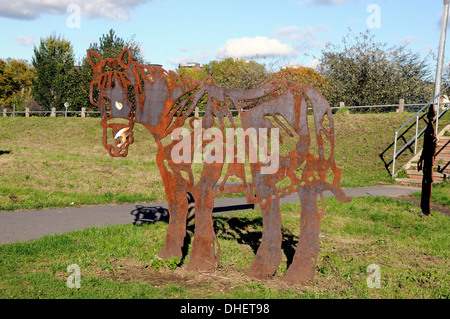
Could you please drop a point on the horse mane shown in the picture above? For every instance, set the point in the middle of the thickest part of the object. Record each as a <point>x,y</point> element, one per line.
<point>179,86</point>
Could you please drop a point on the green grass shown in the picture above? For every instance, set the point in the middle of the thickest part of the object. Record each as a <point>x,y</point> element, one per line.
<point>439,194</point>
<point>58,162</point>
<point>411,250</point>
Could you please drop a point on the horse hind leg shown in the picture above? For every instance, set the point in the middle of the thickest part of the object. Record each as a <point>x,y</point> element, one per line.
<point>203,256</point>
<point>304,263</point>
<point>268,256</point>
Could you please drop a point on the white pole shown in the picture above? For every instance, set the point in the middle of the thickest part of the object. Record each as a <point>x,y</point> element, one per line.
<point>395,155</point>
<point>437,85</point>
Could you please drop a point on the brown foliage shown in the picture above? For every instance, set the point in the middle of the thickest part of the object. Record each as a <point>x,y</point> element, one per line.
<point>303,75</point>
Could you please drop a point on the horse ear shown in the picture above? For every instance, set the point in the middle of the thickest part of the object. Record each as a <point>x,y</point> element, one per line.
<point>94,58</point>
<point>126,57</point>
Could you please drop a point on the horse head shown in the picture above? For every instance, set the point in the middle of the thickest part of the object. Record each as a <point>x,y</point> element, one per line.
<point>114,95</point>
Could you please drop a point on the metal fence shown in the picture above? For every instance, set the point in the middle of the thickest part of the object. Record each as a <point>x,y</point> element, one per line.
<point>28,113</point>
<point>420,114</point>
<point>352,109</point>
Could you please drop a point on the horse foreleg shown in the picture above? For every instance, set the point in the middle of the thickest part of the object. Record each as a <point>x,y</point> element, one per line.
<point>176,231</point>
<point>303,265</point>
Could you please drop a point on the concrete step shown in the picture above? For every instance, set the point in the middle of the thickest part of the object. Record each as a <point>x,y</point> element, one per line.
<point>443,149</point>
<point>443,140</point>
<point>414,174</point>
<point>443,156</point>
<point>413,181</point>
<point>409,181</point>
<point>438,167</point>
<point>441,169</point>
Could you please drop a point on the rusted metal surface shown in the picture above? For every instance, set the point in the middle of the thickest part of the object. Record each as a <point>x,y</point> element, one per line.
<point>426,161</point>
<point>164,102</point>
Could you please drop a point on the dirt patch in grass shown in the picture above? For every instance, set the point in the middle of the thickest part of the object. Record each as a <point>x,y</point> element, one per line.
<point>442,209</point>
<point>220,281</point>
<point>430,260</point>
<point>130,270</point>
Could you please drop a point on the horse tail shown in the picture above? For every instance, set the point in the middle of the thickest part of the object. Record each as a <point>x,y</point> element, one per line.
<point>327,169</point>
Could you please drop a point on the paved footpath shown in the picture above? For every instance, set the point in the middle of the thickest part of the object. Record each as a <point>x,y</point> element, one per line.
<point>32,224</point>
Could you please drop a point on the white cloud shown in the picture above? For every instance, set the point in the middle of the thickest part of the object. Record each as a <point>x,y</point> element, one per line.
<point>409,39</point>
<point>305,37</point>
<point>310,64</point>
<point>33,9</point>
<point>291,32</point>
<point>254,47</point>
<point>324,2</point>
<point>313,63</point>
<point>199,57</point>
<point>328,2</point>
<point>24,40</point>
<point>294,32</point>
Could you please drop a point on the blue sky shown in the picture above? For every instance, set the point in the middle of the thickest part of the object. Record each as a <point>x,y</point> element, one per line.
<point>175,31</point>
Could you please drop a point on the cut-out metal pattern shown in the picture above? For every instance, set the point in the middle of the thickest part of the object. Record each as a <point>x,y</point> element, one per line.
<point>127,92</point>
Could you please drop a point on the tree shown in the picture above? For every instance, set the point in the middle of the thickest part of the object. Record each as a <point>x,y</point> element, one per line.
<point>364,72</point>
<point>238,74</point>
<point>303,75</point>
<point>109,46</point>
<point>194,73</point>
<point>53,61</point>
<point>15,82</point>
<point>5,82</point>
<point>230,73</point>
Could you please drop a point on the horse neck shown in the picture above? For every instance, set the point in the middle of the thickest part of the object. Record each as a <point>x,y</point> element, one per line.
<point>159,96</point>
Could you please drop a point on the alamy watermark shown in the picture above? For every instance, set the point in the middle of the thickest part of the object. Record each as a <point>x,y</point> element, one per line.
<point>74,280</point>
<point>213,152</point>
<point>374,19</point>
<point>374,279</point>
<point>73,21</point>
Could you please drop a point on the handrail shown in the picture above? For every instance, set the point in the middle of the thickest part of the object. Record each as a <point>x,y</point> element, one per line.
<point>417,134</point>
<point>425,106</point>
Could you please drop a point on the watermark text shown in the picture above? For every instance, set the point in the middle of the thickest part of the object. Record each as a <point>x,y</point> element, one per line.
<point>230,148</point>
<point>374,19</point>
<point>74,19</point>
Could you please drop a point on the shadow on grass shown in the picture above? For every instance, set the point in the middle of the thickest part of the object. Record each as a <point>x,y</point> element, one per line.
<point>245,231</point>
<point>150,214</point>
<point>248,231</point>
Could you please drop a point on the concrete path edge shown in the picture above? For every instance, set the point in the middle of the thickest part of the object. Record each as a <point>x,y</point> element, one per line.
<point>19,226</point>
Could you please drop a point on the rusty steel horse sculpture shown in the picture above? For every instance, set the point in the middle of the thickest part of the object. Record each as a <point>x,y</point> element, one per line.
<point>127,92</point>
